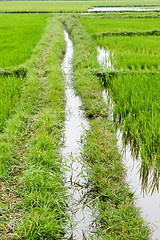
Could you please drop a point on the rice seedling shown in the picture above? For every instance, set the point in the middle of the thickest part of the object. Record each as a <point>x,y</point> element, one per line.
<point>136,97</point>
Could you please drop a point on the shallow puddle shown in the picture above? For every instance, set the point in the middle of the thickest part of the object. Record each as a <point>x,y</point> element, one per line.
<point>148,203</point>
<point>118,9</point>
<point>80,212</point>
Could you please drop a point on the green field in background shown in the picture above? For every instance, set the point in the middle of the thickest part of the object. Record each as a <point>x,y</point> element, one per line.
<point>65,6</point>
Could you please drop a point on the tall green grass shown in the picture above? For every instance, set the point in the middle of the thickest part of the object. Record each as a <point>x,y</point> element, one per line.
<point>10,91</point>
<point>19,35</point>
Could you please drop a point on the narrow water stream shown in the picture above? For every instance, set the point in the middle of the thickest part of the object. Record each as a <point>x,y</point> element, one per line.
<point>80,213</point>
<point>149,204</point>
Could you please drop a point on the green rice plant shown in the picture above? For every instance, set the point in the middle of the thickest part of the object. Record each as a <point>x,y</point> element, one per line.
<point>19,34</point>
<point>10,92</point>
<point>136,97</point>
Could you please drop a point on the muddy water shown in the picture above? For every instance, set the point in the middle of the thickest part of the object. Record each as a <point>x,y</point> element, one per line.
<point>80,214</point>
<point>118,9</point>
<point>149,204</point>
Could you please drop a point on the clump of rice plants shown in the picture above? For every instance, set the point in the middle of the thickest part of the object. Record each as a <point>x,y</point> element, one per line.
<point>137,108</point>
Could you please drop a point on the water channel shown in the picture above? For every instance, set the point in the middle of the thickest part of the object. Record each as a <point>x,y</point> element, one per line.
<point>123,9</point>
<point>80,213</point>
<point>148,203</point>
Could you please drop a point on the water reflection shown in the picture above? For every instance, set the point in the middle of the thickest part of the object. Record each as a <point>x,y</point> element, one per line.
<point>81,224</point>
<point>123,9</point>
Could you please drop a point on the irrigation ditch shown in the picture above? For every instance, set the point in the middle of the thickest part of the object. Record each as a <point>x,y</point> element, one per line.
<point>80,212</point>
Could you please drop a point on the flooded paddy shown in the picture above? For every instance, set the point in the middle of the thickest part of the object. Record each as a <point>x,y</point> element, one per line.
<point>148,202</point>
<point>123,9</point>
<point>77,182</point>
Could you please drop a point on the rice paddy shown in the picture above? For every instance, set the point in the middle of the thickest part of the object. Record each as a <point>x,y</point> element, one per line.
<point>136,87</point>
<point>19,35</point>
<point>65,6</point>
<point>34,202</point>
<point>103,24</point>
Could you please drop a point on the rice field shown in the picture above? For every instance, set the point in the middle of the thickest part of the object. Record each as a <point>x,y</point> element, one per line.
<point>65,6</point>
<point>135,86</point>
<point>133,53</point>
<point>32,114</point>
<point>19,35</point>
<point>138,51</point>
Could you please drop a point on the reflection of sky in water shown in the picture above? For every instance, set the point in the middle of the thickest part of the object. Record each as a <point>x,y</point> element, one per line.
<point>104,58</point>
<point>149,204</point>
<point>76,179</point>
